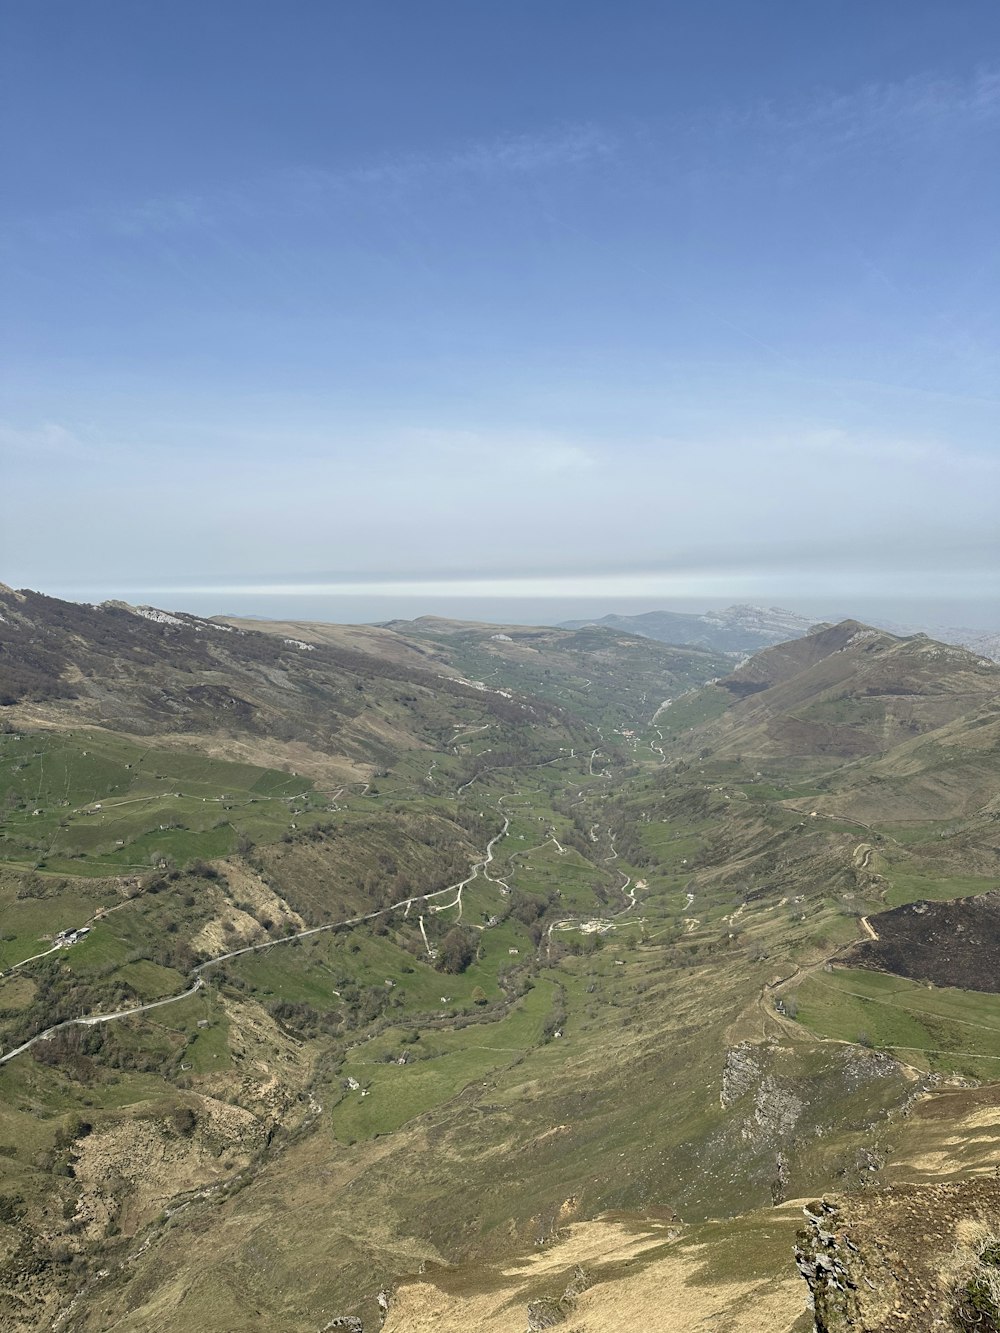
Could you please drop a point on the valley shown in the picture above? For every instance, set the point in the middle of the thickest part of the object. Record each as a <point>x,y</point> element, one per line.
<point>450,975</point>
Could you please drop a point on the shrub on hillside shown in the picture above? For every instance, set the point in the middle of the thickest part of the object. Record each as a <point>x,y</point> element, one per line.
<point>457,951</point>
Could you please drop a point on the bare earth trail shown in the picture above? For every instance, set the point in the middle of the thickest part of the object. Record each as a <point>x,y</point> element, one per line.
<point>33,959</point>
<point>624,889</point>
<point>500,768</point>
<point>878,834</point>
<point>589,924</point>
<point>468,731</point>
<point>657,746</point>
<point>477,869</point>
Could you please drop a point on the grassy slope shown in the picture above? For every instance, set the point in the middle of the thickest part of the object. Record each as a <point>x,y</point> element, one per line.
<point>942,1030</point>
<point>615,680</point>
<point>518,1129</point>
<point>620,1111</point>
<point>93,803</point>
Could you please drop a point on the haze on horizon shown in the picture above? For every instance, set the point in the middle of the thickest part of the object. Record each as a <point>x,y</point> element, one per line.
<point>518,312</point>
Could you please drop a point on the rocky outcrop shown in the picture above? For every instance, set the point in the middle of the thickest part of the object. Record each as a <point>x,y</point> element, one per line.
<point>741,1072</point>
<point>921,1258</point>
<point>776,1108</point>
<point>776,1112</point>
<point>548,1312</point>
<point>543,1314</point>
<point>845,1293</point>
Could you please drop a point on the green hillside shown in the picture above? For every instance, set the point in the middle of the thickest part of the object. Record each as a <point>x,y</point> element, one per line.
<point>534,922</point>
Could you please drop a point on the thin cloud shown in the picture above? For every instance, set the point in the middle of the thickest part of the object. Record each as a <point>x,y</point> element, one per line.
<point>759,579</point>
<point>916,104</point>
<point>908,113</point>
<point>499,156</point>
<point>918,109</point>
<point>168,213</point>
<point>535,152</point>
<point>48,440</point>
<point>299,189</point>
<point>895,452</point>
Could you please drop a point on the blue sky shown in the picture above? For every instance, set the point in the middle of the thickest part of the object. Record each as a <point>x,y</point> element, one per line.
<point>315,306</point>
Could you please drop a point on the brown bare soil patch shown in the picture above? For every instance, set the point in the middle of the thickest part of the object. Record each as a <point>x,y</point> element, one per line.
<point>131,1169</point>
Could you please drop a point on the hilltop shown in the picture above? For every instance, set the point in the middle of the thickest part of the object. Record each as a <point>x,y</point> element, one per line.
<point>742,630</point>
<point>904,729</point>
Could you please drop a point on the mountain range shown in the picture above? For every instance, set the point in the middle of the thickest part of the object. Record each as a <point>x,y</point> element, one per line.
<point>743,629</point>
<point>738,629</point>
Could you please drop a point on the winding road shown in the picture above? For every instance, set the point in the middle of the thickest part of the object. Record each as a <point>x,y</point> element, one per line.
<point>478,867</point>
<point>91,1020</point>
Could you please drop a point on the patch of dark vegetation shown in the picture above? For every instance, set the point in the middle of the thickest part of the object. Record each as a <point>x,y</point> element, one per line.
<point>742,688</point>
<point>184,1121</point>
<point>457,951</point>
<point>30,668</point>
<point>954,943</point>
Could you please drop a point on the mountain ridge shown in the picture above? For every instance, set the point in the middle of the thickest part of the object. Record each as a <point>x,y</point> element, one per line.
<point>743,629</point>
<point>739,628</point>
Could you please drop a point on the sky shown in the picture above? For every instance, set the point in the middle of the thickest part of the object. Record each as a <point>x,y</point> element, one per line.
<point>340,310</point>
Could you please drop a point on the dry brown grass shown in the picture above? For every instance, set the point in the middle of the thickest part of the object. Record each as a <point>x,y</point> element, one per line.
<point>644,1274</point>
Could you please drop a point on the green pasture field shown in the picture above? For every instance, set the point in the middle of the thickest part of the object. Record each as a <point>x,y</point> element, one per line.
<point>672,845</point>
<point>106,804</point>
<point>939,1029</point>
<point>452,1060</point>
<point>27,923</point>
<point>126,934</point>
<point>909,886</point>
